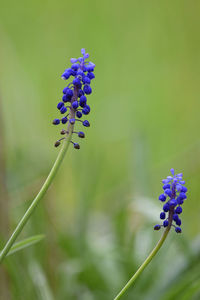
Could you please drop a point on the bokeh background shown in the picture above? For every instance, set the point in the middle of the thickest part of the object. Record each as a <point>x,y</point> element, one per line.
<point>99,213</point>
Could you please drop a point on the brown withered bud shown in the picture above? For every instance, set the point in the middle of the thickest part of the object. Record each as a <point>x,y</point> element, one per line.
<point>63,131</point>
<point>57,143</point>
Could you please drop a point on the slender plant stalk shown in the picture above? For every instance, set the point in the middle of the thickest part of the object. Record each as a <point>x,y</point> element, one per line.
<point>41,193</point>
<point>145,263</point>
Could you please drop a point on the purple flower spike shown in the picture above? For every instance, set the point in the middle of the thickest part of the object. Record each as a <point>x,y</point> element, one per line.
<point>174,196</point>
<point>73,104</point>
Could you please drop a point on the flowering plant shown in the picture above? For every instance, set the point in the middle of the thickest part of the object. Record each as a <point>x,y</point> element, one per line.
<point>75,96</point>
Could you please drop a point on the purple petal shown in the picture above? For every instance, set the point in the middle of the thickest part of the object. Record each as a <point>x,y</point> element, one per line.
<point>172,171</point>
<point>180,175</point>
<point>83,51</point>
<point>91,64</point>
<point>73,60</point>
<point>182,182</point>
<point>179,187</point>
<point>165,181</point>
<point>86,55</point>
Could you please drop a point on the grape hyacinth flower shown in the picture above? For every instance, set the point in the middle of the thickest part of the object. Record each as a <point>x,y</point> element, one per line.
<point>173,197</point>
<point>74,100</point>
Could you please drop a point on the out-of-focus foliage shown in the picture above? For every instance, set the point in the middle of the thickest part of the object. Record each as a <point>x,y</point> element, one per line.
<point>99,212</point>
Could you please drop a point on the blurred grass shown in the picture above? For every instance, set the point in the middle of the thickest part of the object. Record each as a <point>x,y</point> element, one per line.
<point>145,120</point>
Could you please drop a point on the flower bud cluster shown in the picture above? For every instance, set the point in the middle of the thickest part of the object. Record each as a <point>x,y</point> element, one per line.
<point>173,198</point>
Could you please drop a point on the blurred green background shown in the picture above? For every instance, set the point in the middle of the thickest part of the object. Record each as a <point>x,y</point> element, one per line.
<point>99,213</point>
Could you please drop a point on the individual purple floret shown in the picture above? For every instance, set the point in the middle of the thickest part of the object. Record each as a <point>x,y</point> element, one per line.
<point>174,196</point>
<point>74,100</point>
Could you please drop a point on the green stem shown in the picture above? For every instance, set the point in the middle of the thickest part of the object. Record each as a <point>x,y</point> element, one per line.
<point>145,263</point>
<point>40,195</point>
